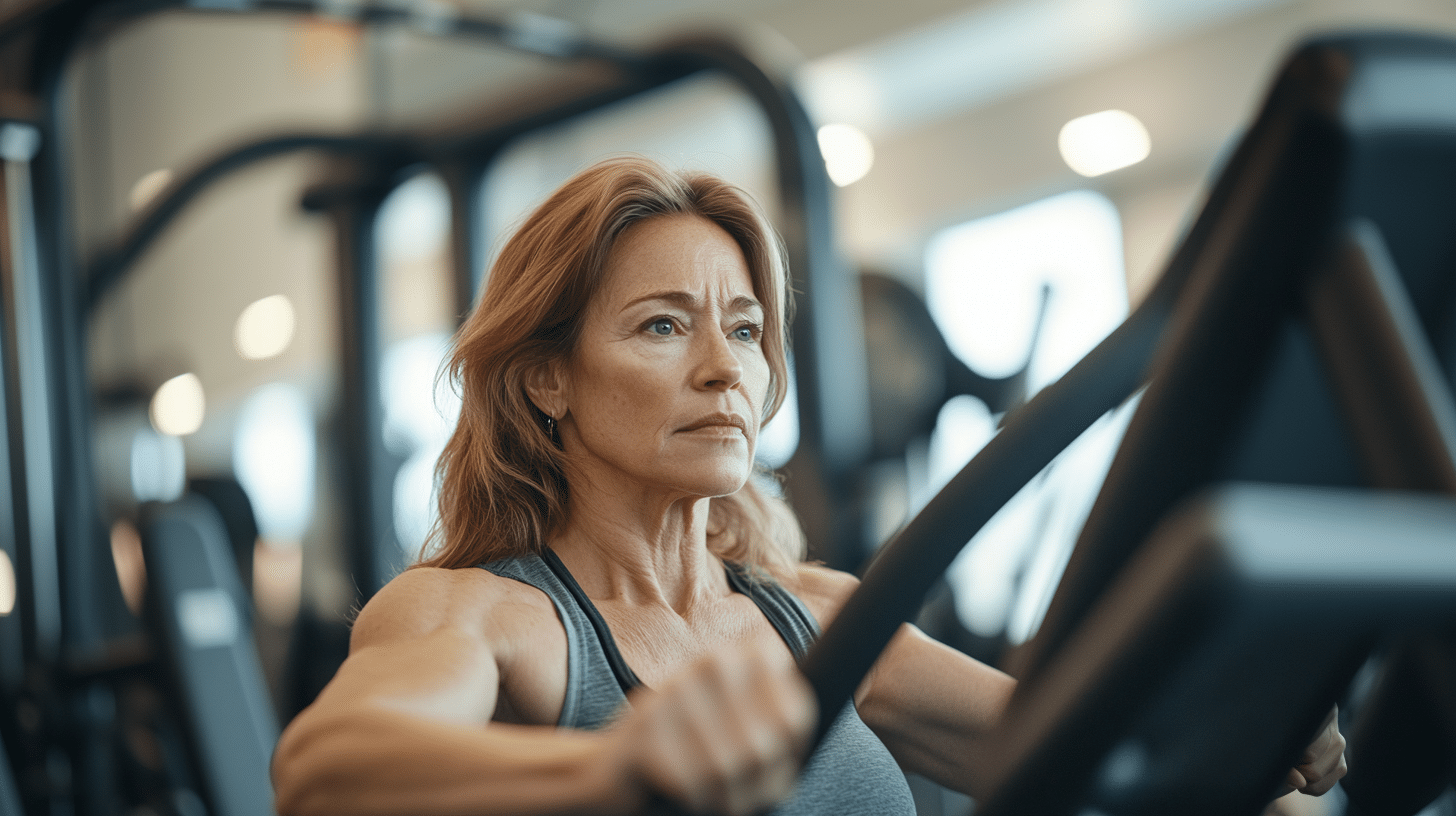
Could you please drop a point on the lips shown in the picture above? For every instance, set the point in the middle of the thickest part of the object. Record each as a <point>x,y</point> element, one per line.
<point>718,421</point>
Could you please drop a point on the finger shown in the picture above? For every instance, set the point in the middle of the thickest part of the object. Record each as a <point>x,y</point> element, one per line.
<point>718,735</point>
<point>1328,767</point>
<point>686,757</point>
<point>695,757</point>
<point>669,764</point>
<point>792,712</point>
<point>746,750</point>
<point>782,779</point>
<point>1325,736</point>
<point>781,710</point>
<point>1324,784</point>
<point>727,734</point>
<point>1287,803</point>
<point>755,757</point>
<point>791,705</point>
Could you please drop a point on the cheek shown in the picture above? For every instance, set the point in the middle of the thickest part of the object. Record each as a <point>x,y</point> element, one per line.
<point>756,377</point>
<point>618,399</point>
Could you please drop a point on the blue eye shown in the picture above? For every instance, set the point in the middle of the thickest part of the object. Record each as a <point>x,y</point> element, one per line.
<point>661,326</point>
<point>745,333</point>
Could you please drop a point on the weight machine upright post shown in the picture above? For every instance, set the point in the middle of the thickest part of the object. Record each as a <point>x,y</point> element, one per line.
<point>372,554</point>
<point>467,254</point>
<point>74,595</point>
<point>828,344</point>
<point>90,590</point>
<point>1384,373</point>
<point>93,611</point>
<point>12,487</point>
<point>827,333</point>
<point>1398,406</point>
<point>28,412</point>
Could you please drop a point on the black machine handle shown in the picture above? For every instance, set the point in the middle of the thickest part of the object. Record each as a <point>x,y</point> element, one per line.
<point>897,580</point>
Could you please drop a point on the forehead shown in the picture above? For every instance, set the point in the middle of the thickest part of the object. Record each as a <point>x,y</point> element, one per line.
<point>685,253</point>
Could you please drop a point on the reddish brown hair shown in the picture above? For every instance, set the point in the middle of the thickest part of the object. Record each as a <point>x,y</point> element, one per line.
<point>502,482</point>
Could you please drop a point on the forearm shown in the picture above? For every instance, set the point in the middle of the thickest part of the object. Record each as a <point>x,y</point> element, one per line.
<point>387,762</point>
<point>942,754</point>
<point>933,707</point>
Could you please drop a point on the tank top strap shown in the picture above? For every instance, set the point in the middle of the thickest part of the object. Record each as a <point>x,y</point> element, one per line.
<point>626,678</point>
<point>788,615</point>
<point>852,774</point>
<point>595,695</point>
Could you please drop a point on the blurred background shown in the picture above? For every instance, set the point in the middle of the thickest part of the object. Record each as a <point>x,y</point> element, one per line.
<point>1016,171</point>
<point>951,130</point>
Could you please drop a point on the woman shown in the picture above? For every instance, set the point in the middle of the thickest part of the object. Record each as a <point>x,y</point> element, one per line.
<point>627,349</point>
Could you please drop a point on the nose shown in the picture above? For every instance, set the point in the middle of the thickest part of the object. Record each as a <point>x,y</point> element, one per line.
<point>719,368</point>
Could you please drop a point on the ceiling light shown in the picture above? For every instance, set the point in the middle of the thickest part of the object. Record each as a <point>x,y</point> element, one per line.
<point>265,328</point>
<point>1102,142</point>
<point>178,406</point>
<point>848,153</point>
<point>147,187</point>
<point>993,50</point>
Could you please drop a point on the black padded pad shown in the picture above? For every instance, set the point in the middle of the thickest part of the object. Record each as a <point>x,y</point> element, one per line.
<point>200,615</point>
<point>1200,676</point>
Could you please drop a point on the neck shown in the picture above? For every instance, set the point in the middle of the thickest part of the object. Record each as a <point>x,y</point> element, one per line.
<point>640,549</point>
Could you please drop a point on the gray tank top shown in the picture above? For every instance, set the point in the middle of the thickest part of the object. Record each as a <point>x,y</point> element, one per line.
<point>851,774</point>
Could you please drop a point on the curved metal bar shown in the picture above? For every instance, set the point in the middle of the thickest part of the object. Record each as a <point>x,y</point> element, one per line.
<point>895,585</point>
<point>827,332</point>
<point>528,33</point>
<point>108,265</point>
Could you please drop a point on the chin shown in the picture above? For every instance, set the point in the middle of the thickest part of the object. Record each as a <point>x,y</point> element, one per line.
<point>719,481</point>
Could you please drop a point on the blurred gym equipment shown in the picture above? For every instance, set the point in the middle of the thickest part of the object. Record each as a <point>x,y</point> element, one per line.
<point>912,372</point>
<point>1303,334</point>
<point>91,677</point>
<point>1292,235</point>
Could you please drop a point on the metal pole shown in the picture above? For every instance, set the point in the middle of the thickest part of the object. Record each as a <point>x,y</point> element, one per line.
<point>373,554</point>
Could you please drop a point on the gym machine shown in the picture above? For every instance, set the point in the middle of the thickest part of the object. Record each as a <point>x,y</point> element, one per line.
<point>1306,327</point>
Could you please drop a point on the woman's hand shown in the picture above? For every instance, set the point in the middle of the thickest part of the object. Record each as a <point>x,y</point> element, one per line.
<point>727,736</point>
<point>1323,762</point>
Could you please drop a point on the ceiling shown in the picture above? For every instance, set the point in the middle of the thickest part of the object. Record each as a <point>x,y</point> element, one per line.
<point>962,100</point>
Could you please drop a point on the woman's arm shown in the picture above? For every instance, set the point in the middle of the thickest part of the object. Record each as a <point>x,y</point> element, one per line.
<point>401,728</point>
<point>404,727</point>
<point>933,706</point>
<point>929,704</point>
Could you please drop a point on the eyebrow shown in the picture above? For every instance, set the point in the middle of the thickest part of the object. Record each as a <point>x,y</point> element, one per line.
<point>685,300</point>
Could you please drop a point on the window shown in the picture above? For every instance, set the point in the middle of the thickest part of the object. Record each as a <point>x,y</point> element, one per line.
<point>985,281</point>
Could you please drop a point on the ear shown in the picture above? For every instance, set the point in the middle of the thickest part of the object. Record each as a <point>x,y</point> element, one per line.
<point>546,385</point>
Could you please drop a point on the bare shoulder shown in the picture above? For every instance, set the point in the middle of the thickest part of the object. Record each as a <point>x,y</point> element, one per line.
<point>461,645</point>
<point>822,589</point>
<point>425,600</point>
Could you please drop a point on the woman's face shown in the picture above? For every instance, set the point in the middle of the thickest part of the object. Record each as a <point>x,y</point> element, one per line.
<point>668,382</point>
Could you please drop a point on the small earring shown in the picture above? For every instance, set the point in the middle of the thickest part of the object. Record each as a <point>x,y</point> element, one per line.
<point>551,427</point>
